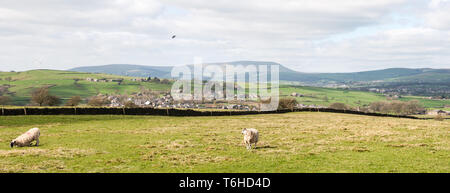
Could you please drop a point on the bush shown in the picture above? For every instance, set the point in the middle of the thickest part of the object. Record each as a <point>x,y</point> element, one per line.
<point>339,106</point>
<point>439,118</point>
<point>287,103</point>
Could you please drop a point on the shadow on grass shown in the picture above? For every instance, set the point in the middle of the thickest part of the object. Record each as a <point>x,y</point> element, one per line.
<point>265,147</point>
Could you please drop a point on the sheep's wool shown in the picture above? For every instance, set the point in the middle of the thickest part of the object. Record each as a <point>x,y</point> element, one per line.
<point>250,136</point>
<point>28,137</point>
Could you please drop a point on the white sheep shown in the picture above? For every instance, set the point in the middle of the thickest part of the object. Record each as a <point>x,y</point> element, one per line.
<point>250,136</point>
<point>26,138</point>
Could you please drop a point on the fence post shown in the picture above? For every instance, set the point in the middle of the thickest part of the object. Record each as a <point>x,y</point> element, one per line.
<point>25,110</point>
<point>3,111</point>
<point>75,108</point>
<point>123,110</point>
<point>167,110</point>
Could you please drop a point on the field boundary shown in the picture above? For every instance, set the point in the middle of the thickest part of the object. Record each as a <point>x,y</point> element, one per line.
<point>173,112</point>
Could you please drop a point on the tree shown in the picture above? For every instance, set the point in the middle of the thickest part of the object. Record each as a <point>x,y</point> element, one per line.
<point>413,106</point>
<point>74,101</point>
<point>130,104</point>
<point>439,118</point>
<point>98,101</point>
<point>155,80</point>
<point>287,103</point>
<point>339,106</point>
<point>41,96</point>
<point>397,107</point>
<point>52,100</point>
<point>4,100</point>
<point>165,81</point>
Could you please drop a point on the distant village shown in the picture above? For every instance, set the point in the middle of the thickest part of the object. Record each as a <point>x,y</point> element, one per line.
<point>166,100</point>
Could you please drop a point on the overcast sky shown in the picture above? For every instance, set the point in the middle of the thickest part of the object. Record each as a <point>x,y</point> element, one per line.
<point>308,36</point>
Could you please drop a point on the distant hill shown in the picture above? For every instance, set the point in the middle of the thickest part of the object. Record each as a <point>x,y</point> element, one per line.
<point>286,74</point>
<point>128,70</point>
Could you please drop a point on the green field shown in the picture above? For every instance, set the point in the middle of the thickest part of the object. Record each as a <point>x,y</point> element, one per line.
<point>327,96</point>
<point>292,142</point>
<point>62,84</point>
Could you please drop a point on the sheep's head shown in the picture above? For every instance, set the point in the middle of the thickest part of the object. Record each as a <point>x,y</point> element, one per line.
<point>13,142</point>
<point>244,131</point>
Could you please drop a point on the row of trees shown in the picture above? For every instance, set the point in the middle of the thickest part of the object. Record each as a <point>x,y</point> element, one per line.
<point>397,107</point>
<point>388,107</point>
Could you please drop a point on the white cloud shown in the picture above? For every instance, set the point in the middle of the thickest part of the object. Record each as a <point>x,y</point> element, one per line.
<point>299,34</point>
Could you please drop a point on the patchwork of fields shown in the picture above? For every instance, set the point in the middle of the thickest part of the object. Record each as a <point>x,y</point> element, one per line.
<point>327,96</point>
<point>63,84</point>
<point>292,142</point>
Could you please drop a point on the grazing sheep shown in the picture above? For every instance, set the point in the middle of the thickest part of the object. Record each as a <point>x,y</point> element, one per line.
<point>26,138</point>
<point>250,136</point>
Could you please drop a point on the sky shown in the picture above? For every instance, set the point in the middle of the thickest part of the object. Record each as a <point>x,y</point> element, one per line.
<point>304,35</point>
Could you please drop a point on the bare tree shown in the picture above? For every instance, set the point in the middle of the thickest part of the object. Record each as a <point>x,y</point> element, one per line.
<point>397,107</point>
<point>130,104</point>
<point>4,100</point>
<point>74,101</point>
<point>52,100</point>
<point>287,103</point>
<point>98,101</point>
<point>340,106</point>
<point>41,96</point>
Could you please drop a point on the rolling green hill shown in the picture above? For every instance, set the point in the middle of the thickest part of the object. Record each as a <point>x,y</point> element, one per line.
<point>66,84</point>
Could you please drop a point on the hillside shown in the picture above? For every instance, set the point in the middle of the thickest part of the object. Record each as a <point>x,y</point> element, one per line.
<point>404,81</point>
<point>66,84</point>
<point>391,74</point>
<point>326,96</point>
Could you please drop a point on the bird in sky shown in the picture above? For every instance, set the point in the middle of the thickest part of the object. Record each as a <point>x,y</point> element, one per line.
<point>174,36</point>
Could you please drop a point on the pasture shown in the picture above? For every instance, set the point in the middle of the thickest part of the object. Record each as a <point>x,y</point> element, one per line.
<point>291,142</point>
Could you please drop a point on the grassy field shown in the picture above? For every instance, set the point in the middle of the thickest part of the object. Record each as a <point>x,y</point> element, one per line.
<point>62,84</point>
<point>327,96</point>
<point>293,142</point>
